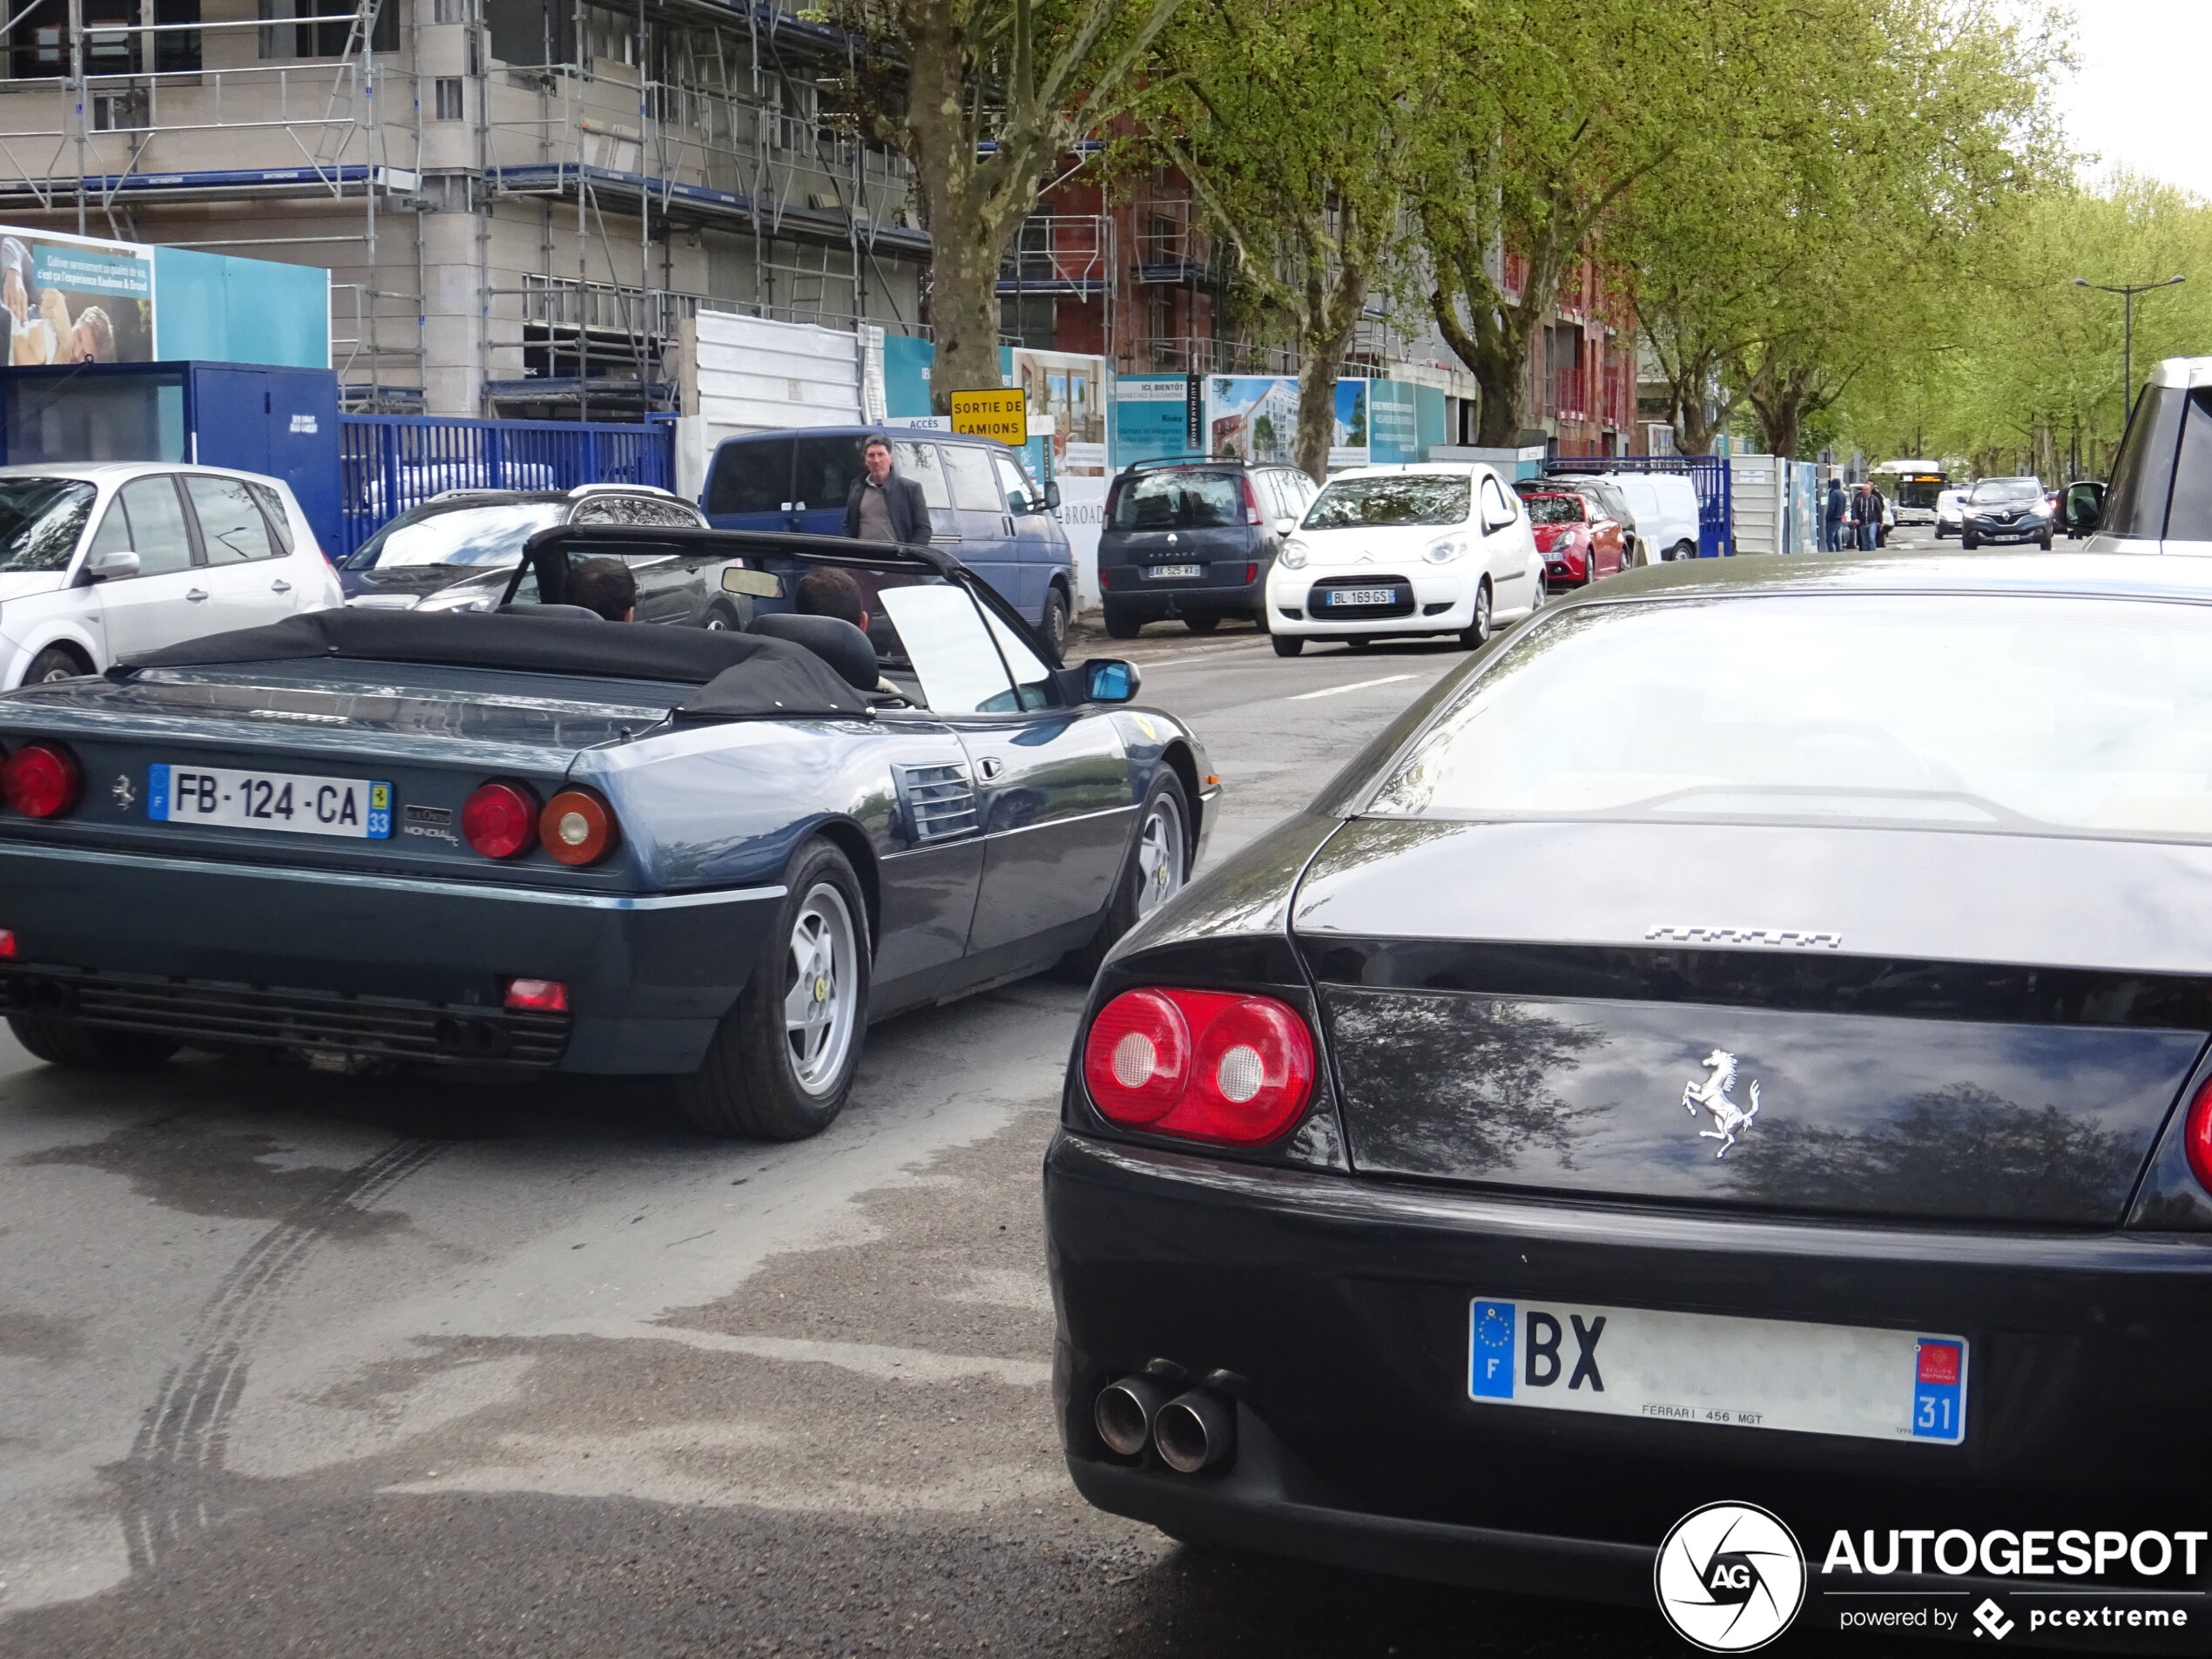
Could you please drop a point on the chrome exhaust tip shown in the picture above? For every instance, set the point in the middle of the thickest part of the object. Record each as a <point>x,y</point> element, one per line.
<point>1123,1411</point>
<point>1194,1432</point>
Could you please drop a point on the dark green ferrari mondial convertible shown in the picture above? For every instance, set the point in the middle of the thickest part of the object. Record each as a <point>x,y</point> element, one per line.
<point>540,839</point>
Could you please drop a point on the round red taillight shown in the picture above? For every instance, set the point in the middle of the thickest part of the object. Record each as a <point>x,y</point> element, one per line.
<point>500,820</point>
<point>577,827</point>
<point>41,780</point>
<point>2197,1137</point>
<point>1138,1058</point>
<point>1204,1065</point>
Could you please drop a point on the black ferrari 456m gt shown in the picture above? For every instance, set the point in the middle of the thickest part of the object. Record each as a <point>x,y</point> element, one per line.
<point>1742,1039</point>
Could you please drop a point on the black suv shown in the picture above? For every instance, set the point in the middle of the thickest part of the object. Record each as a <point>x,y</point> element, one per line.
<point>1190,539</point>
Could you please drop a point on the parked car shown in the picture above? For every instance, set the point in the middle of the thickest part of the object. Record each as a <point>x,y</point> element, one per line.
<point>2159,497</point>
<point>554,842</point>
<point>1578,540</point>
<point>456,552</point>
<point>1951,511</point>
<point>1788,1159</point>
<point>1663,509</point>
<point>1392,552</point>
<point>107,561</point>
<point>1192,539</point>
<point>2002,510</point>
<point>984,510</point>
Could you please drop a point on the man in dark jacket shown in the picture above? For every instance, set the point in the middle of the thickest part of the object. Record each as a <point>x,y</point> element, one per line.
<point>1831,518</point>
<point>883,507</point>
<point>1867,512</point>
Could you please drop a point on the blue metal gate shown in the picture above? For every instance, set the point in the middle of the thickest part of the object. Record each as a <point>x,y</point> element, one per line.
<point>391,462</point>
<point>1708,476</point>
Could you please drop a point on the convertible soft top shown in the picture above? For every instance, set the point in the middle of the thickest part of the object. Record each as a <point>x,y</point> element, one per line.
<point>738,674</point>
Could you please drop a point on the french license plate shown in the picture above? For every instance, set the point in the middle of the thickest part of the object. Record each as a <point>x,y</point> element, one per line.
<point>1717,1368</point>
<point>1360,596</point>
<point>1162,572</point>
<point>361,808</point>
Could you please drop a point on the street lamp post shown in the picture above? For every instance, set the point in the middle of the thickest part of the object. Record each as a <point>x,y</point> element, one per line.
<point>2127,293</point>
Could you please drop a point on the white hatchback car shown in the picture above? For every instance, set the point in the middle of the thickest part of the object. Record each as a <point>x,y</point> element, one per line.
<point>1391,551</point>
<point>102,562</point>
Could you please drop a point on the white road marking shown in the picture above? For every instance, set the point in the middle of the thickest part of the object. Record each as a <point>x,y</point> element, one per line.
<point>1356,686</point>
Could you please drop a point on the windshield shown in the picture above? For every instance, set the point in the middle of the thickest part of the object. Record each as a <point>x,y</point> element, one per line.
<point>1178,501</point>
<point>2018,713</point>
<point>40,520</point>
<point>1352,503</point>
<point>1555,510</point>
<point>1991,491</point>
<point>1918,492</point>
<point>491,536</point>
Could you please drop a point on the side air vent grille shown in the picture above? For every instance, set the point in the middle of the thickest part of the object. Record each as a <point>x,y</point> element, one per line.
<point>939,802</point>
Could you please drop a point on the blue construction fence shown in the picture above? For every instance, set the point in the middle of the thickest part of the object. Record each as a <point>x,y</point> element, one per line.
<point>1708,476</point>
<point>391,462</point>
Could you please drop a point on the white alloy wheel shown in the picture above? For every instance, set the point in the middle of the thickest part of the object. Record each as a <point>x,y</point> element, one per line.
<point>1160,849</point>
<point>820,1010</point>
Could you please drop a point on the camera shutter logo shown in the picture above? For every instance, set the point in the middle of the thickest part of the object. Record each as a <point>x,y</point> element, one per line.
<point>1729,1577</point>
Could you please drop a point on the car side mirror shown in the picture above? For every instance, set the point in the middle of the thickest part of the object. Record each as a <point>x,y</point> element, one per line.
<point>2084,508</point>
<point>1492,525</point>
<point>111,564</point>
<point>1052,494</point>
<point>759,584</point>
<point>1108,680</point>
<point>1285,526</point>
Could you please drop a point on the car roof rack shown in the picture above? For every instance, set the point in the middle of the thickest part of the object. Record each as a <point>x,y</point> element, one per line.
<point>1187,460</point>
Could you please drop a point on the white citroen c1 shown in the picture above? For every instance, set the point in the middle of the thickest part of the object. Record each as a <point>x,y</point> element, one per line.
<point>1389,551</point>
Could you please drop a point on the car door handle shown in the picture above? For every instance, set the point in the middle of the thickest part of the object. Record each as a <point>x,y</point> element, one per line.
<point>280,586</point>
<point>195,595</point>
<point>990,766</point>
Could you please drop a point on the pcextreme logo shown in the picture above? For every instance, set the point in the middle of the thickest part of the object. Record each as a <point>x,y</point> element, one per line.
<point>1729,1577</point>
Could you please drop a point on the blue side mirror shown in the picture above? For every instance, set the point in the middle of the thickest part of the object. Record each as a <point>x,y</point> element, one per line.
<point>1111,681</point>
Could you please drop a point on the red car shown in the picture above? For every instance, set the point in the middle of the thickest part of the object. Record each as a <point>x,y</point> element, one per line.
<point>1578,540</point>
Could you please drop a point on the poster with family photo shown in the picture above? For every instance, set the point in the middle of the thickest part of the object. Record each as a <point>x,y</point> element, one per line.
<point>71,299</point>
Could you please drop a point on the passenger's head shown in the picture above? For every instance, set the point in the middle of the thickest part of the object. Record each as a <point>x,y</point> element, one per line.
<point>875,456</point>
<point>832,593</point>
<point>606,586</point>
<point>93,340</point>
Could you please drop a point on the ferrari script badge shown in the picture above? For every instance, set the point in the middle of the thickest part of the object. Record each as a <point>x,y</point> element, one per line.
<point>1711,1094</point>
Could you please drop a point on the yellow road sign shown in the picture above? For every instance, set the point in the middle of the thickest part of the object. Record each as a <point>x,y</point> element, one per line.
<point>1003,415</point>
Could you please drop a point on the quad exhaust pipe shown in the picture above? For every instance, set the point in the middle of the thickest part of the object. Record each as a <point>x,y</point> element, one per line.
<point>1193,1432</point>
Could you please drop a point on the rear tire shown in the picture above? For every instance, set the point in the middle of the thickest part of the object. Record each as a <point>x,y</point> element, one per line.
<point>2046,541</point>
<point>1201,625</point>
<point>90,1048</point>
<point>55,663</point>
<point>1155,868</point>
<point>782,1061</point>
<point>1968,540</point>
<point>1120,626</point>
<point>1682,550</point>
<point>1288,645</point>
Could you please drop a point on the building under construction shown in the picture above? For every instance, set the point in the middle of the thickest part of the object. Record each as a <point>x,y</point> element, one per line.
<point>517,199</point>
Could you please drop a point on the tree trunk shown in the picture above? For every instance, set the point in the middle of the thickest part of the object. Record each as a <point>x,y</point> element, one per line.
<point>1333,303</point>
<point>1780,411</point>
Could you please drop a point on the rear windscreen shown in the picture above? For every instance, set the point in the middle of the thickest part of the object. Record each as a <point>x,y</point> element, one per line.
<point>1178,501</point>
<point>2018,713</point>
<point>753,478</point>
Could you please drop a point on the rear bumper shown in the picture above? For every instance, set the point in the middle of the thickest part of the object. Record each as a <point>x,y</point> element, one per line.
<point>1129,593</point>
<point>302,958</point>
<point>1339,1308</point>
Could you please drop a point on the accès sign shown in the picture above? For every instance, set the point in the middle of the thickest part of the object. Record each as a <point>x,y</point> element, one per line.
<point>1003,415</point>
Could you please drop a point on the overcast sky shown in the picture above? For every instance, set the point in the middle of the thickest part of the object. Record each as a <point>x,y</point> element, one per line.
<point>2140,98</point>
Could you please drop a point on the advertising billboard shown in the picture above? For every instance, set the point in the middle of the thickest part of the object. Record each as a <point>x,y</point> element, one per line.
<point>74,300</point>
<point>1069,390</point>
<point>1254,417</point>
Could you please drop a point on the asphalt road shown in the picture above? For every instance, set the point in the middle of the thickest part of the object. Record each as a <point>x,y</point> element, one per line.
<point>295,1363</point>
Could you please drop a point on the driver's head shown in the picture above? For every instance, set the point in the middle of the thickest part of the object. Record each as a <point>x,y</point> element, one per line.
<point>832,593</point>
<point>606,586</point>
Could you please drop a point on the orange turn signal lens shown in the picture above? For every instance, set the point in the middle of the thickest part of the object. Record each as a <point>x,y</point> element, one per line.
<point>578,826</point>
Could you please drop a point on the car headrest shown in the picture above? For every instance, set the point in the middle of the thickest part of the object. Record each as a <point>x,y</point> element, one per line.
<point>525,608</point>
<point>836,641</point>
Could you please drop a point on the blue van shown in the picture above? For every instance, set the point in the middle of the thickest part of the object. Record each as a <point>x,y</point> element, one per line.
<point>983,507</point>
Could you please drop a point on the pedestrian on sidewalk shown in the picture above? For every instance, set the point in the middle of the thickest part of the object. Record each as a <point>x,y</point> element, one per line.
<point>883,507</point>
<point>1866,513</point>
<point>1834,512</point>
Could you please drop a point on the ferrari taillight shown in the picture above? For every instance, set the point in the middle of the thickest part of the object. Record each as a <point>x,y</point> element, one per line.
<point>1203,1065</point>
<point>578,826</point>
<point>500,819</point>
<point>41,781</point>
<point>2196,1135</point>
